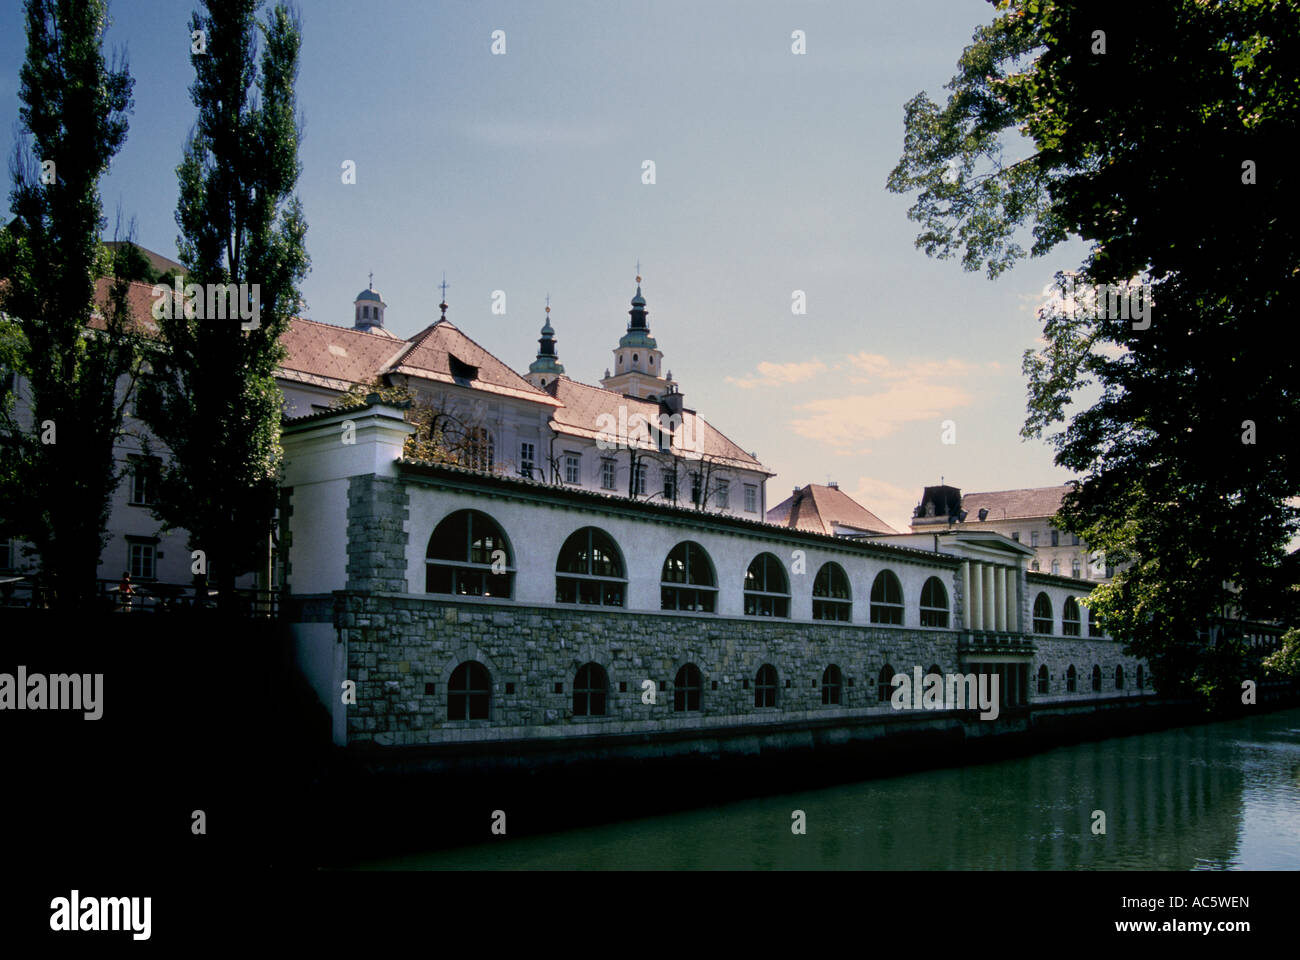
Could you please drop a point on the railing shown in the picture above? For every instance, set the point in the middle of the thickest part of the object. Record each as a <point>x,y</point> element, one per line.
<point>146,597</point>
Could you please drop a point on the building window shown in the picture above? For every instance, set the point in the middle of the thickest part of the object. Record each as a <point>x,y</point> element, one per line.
<point>1042,614</point>
<point>6,551</point>
<point>832,686</point>
<point>468,556</point>
<point>1043,679</point>
<point>885,684</point>
<point>1119,676</point>
<point>572,468</point>
<point>1074,539</point>
<point>527,460</point>
<point>697,487</point>
<point>1140,678</point>
<point>1033,538</point>
<point>723,495</point>
<point>1069,618</point>
<point>765,685</point>
<point>751,498</point>
<point>1015,535</point>
<point>934,604</point>
<point>638,478</point>
<point>767,592</point>
<point>1071,680</point>
<point>142,561</point>
<point>480,449</point>
<point>1096,679</point>
<point>469,692</point>
<point>590,570</point>
<point>1056,568</point>
<point>887,599</point>
<point>1110,570</point>
<point>589,691</point>
<point>608,475</point>
<point>144,476</point>
<point>670,485</point>
<point>687,580</point>
<point>686,688</point>
<point>1094,625</point>
<point>1074,568</point>
<point>831,597</point>
<point>1056,538</point>
<point>1034,565</point>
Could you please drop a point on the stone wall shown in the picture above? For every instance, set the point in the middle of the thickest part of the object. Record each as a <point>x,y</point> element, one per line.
<point>1058,653</point>
<point>377,513</point>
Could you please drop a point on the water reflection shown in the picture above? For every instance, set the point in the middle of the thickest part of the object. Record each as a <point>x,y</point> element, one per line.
<point>1222,796</point>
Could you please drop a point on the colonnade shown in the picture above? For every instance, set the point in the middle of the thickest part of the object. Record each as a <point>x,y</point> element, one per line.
<point>990,592</point>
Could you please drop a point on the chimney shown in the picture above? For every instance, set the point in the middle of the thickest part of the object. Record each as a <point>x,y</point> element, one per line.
<point>833,484</point>
<point>673,400</point>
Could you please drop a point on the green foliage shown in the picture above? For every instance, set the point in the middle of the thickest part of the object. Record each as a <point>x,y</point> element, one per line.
<point>213,399</point>
<point>1140,151</point>
<point>1286,659</point>
<point>56,495</point>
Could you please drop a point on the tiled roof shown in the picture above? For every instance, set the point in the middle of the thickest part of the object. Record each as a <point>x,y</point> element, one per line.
<point>1010,504</point>
<point>139,298</point>
<point>585,404</point>
<point>429,354</point>
<point>819,509</point>
<point>340,354</point>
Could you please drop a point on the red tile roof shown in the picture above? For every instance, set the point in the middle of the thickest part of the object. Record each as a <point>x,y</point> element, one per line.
<point>340,354</point>
<point>1009,504</point>
<point>819,509</point>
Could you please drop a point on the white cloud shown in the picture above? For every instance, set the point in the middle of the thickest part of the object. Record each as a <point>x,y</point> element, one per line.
<point>843,422</point>
<point>888,501</point>
<point>776,374</point>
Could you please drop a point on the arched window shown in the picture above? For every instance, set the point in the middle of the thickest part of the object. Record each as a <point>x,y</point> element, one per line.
<point>589,691</point>
<point>934,604</point>
<point>469,692</point>
<point>468,556</point>
<point>686,688</point>
<point>884,684</point>
<point>886,599</point>
<point>832,685</point>
<point>765,686</point>
<point>1094,625</point>
<point>1071,680</point>
<point>590,570</point>
<point>1069,618</point>
<point>1096,678</point>
<point>1042,614</point>
<point>1141,679</point>
<point>1043,679</point>
<point>480,449</point>
<point>1119,676</point>
<point>832,599</point>
<point>1035,565</point>
<point>767,592</point>
<point>688,581</point>
<point>1075,569</point>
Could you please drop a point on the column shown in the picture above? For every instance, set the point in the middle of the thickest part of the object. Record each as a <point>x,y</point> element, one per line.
<point>999,599</point>
<point>977,588</point>
<point>990,600</point>
<point>967,600</point>
<point>1009,575</point>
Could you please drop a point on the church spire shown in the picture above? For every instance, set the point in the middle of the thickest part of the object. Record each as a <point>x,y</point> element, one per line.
<point>637,359</point>
<point>547,366</point>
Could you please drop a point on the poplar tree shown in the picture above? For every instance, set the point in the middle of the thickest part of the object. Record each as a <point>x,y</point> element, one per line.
<point>57,470</point>
<point>213,399</point>
<point>1155,133</point>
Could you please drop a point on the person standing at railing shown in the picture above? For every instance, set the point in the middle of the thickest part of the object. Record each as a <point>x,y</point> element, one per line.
<point>125,592</point>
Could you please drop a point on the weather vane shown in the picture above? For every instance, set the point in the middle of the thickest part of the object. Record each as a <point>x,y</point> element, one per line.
<point>638,269</point>
<point>372,279</point>
<point>444,285</point>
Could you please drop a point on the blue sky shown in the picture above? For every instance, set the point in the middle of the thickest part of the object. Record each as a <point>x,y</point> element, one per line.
<point>522,172</point>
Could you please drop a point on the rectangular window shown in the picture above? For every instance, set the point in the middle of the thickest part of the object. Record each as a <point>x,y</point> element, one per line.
<point>1056,538</point>
<point>527,460</point>
<point>1016,536</point>
<point>751,498</point>
<point>6,555</point>
<point>608,475</point>
<point>142,561</point>
<point>638,479</point>
<point>143,474</point>
<point>697,488</point>
<point>1074,539</point>
<point>572,468</point>
<point>723,496</point>
<point>1033,538</point>
<point>670,486</point>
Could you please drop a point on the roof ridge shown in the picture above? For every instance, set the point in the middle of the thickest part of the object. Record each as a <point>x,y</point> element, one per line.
<point>335,326</point>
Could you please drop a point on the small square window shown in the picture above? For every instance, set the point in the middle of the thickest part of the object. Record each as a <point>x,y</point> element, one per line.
<point>787,684</point>
<point>715,684</point>
<point>850,681</point>
<point>510,687</point>
<point>430,689</point>
<point>559,688</point>
<point>622,686</point>
<point>746,683</point>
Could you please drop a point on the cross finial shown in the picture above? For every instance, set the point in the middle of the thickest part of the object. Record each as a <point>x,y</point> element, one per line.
<point>444,285</point>
<point>372,279</point>
<point>548,303</point>
<point>638,269</point>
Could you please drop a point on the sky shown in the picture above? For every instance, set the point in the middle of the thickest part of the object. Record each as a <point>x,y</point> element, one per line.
<point>522,172</point>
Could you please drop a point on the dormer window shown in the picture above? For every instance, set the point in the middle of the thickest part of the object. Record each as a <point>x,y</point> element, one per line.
<point>460,370</point>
